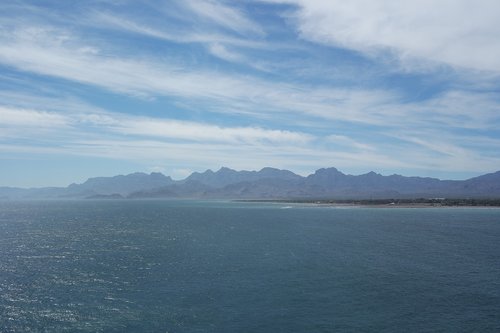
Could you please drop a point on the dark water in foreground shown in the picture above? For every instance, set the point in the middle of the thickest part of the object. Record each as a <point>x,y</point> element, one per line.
<point>177,266</point>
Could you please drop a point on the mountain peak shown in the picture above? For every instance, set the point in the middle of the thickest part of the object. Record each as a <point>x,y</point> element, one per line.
<point>225,170</point>
<point>330,170</point>
<point>371,174</point>
<point>269,169</point>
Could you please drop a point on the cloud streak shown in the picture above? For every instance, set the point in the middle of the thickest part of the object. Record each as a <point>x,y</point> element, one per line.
<point>112,123</point>
<point>57,53</point>
<point>225,16</point>
<point>54,53</point>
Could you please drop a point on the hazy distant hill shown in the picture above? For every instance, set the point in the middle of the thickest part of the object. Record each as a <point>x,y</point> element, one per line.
<point>267,183</point>
<point>122,185</point>
<point>93,187</point>
<point>12,192</point>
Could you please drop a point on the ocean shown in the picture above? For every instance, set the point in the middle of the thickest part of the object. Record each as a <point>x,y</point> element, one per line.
<point>216,266</point>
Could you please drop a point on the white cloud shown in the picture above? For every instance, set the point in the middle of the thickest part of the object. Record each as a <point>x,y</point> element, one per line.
<point>58,54</point>
<point>458,32</point>
<point>107,123</point>
<point>183,130</point>
<point>12,117</point>
<point>222,52</point>
<point>133,25</point>
<point>224,15</point>
<point>54,53</point>
<point>42,51</point>
<point>345,141</point>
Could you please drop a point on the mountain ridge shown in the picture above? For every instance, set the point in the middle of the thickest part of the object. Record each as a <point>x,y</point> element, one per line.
<point>267,183</point>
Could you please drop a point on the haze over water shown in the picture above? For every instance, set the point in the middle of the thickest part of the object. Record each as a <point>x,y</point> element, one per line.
<point>191,266</point>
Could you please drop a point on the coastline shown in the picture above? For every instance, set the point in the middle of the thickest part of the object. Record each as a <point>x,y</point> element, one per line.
<point>387,203</point>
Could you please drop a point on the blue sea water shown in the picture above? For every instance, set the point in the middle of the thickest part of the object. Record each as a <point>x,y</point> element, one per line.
<point>192,266</point>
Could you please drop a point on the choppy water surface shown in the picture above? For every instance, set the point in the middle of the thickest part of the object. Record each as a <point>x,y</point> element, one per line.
<point>178,266</point>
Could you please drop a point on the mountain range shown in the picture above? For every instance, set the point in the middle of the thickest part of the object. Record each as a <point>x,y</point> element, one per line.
<point>268,183</point>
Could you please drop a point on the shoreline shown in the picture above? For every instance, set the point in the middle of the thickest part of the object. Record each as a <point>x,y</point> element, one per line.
<point>383,203</point>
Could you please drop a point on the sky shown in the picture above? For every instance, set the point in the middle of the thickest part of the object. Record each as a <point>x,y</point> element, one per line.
<point>106,87</point>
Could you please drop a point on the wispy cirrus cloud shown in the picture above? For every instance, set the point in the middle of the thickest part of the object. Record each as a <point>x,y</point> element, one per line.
<point>50,52</point>
<point>58,53</point>
<point>222,52</point>
<point>225,16</point>
<point>113,123</point>
<point>38,51</point>
<point>136,26</point>
<point>30,118</point>
<point>348,142</point>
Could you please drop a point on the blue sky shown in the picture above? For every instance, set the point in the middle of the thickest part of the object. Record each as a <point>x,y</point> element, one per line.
<point>106,87</point>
